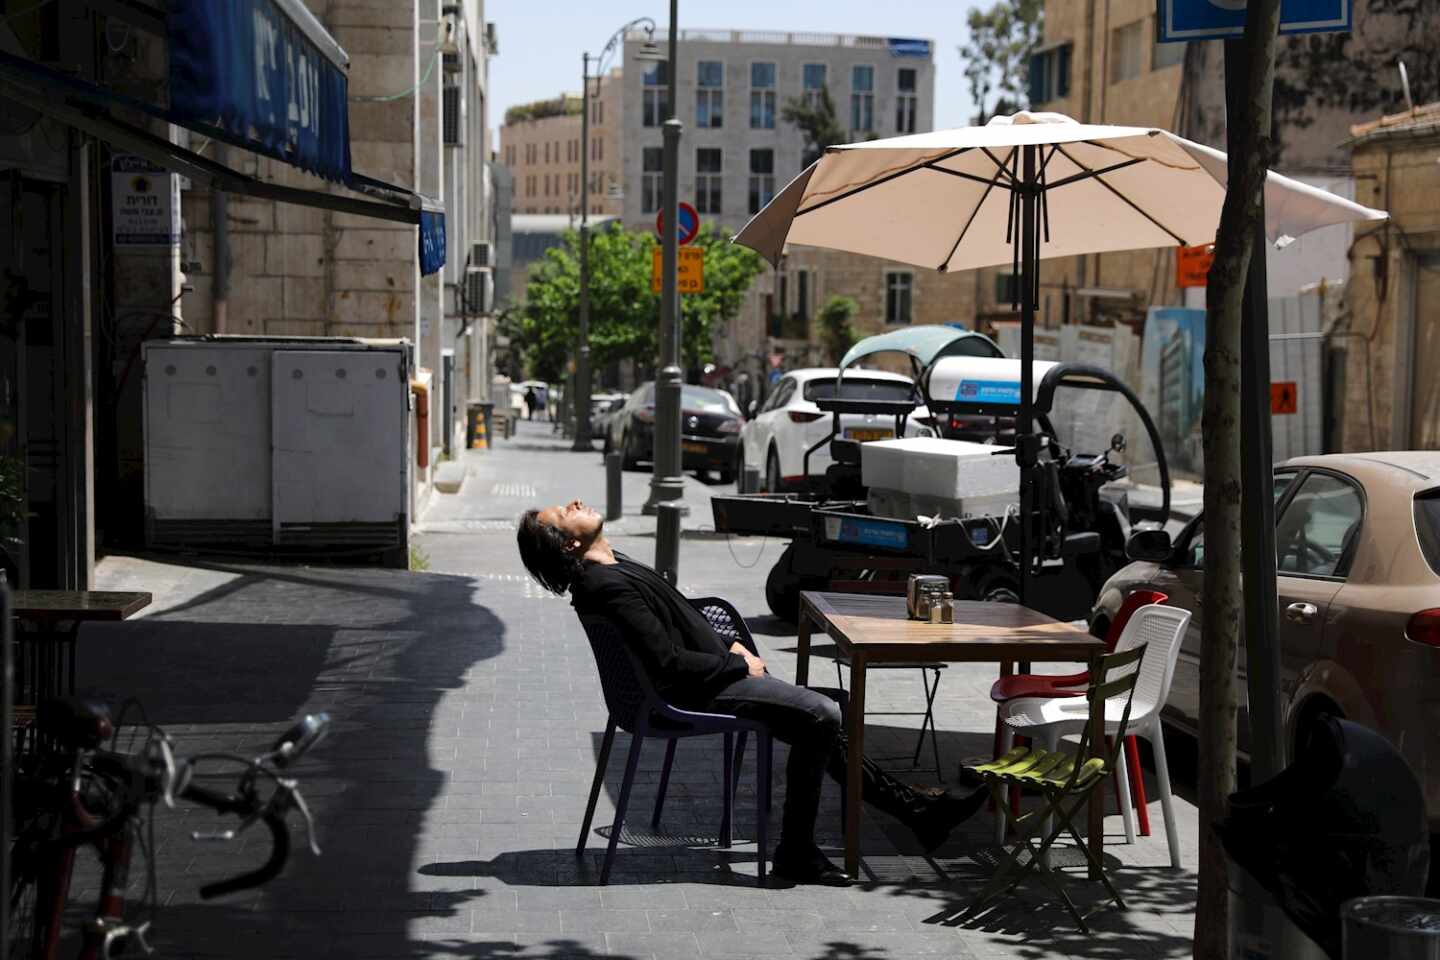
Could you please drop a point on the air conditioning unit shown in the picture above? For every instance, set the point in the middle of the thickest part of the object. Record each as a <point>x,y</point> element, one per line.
<point>482,255</point>
<point>479,290</point>
<point>453,118</point>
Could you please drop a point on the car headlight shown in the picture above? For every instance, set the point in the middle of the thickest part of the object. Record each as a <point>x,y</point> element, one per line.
<point>730,426</point>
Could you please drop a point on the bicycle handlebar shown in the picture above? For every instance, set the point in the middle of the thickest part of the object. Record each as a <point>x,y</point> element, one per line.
<point>279,853</point>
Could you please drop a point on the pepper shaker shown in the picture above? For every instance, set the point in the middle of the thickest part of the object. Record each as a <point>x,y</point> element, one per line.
<point>947,608</point>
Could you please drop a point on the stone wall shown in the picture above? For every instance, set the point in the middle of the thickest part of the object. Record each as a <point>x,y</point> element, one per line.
<point>1391,336</point>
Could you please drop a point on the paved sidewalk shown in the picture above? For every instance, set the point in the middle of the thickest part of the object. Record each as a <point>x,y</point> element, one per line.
<point>467,718</point>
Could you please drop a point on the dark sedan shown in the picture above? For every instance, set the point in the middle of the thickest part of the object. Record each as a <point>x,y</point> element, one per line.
<point>710,422</point>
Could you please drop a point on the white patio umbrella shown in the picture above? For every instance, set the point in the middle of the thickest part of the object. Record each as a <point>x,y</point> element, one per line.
<point>1020,189</point>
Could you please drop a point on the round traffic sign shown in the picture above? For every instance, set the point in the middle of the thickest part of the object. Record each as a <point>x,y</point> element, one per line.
<point>689,224</point>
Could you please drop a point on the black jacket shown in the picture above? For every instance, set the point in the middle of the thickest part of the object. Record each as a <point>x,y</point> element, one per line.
<point>687,661</point>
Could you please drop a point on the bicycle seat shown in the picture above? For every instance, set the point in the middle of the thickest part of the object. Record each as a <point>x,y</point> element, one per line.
<point>78,724</point>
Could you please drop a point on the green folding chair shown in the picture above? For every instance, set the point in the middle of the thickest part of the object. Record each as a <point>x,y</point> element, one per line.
<point>1064,778</point>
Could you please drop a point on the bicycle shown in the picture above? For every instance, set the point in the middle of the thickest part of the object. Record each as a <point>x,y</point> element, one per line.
<point>73,793</point>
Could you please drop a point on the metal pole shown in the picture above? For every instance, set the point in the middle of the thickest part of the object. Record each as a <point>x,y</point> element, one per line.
<point>614,485</point>
<point>1257,499</point>
<point>667,483</point>
<point>1027,447</point>
<point>581,405</point>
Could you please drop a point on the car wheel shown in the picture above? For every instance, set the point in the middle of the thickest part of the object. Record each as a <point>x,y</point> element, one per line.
<point>782,588</point>
<point>608,444</point>
<point>628,459</point>
<point>774,482</point>
<point>727,476</point>
<point>1001,594</point>
<point>739,469</point>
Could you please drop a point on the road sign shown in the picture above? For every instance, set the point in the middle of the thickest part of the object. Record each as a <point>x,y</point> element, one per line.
<point>689,224</point>
<point>1181,20</point>
<point>691,273</point>
<point>1192,265</point>
<point>1283,396</point>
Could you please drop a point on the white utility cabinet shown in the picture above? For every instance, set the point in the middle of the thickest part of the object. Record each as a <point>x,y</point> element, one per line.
<point>289,444</point>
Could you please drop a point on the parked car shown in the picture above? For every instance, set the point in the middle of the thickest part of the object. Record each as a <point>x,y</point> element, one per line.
<point>1357,546</point>
<point>602,407</point>
<point>789,422</point>
<point>710,422</point>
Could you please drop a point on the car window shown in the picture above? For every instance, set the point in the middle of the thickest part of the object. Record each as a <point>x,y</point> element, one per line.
<point>858,389</point>
<point>1316,533</point>
<point>1427,526</point>
<point>773,401</point>
<point>705,399</point>
<point>782,394</point>
<point>1191,551</point>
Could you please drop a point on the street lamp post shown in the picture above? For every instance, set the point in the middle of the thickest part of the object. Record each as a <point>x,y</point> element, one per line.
<point>581,382</point>
<point>667,484</point>
<point>582,359</point>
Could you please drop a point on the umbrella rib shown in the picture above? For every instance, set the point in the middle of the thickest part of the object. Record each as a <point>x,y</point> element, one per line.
<point>1130,203</point>
<point>1003,166</point>
<point>1073,178</point>
<point>966,176</point>
<point>990,185</point>
<point>875,183</point>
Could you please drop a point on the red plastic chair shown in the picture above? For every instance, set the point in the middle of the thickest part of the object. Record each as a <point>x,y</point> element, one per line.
<point>1073,685</point>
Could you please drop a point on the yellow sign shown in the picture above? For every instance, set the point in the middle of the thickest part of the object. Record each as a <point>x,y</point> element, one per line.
<point>691,272</point>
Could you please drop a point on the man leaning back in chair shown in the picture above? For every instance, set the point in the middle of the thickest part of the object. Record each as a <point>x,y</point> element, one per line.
<point>565,549</point>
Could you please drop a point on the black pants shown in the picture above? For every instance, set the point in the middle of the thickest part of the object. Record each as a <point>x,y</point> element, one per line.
<point>809,720</point>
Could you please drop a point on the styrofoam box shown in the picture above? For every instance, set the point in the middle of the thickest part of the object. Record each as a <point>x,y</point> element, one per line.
<point>953,470</point>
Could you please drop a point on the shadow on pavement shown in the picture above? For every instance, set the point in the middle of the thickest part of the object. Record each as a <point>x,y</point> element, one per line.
<point>386,654</point>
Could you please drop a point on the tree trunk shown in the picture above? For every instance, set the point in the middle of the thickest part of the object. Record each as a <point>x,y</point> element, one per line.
<point>1249,146</point>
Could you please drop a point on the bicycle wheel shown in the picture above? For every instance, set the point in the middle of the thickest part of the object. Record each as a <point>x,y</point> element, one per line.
<point>37,821</point>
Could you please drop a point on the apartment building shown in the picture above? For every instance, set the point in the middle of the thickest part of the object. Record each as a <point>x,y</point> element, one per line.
<point>540,146</point>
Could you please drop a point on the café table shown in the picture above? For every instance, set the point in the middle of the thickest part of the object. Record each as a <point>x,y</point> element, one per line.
<point>54,618</point>
<point>876,629</point>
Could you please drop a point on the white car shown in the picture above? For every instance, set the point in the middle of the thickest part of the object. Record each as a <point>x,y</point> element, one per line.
<point>789,423</point>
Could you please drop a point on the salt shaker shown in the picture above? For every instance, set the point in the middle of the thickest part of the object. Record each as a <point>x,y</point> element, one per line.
<point>936,609</point>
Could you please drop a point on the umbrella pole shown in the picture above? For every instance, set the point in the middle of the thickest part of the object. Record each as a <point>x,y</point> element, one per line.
<point>1027,446</point>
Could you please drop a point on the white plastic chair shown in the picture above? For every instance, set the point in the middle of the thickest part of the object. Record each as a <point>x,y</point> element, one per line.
<point>1048,719</point>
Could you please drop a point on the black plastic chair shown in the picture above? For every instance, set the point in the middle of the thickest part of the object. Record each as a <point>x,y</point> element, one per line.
<point>637,709</point>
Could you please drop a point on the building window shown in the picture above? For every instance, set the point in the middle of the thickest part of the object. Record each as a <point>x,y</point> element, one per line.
<point>862,99</point>
<point>707,179</point>
<point>709,94</point>
<point>652,170</point>
<point>813,81</point>
<point>762,178</point>
<point>905,97</point>
<point>1165,54</point>
<point>1050,75</point>
<point>802,301</point>
<point>762,96</point>
<point>1125,51</point>
<point>899,289</point>
<point>655,97</point>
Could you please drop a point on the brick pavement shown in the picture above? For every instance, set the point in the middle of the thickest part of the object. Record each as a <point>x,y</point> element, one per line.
<point>467,719</point>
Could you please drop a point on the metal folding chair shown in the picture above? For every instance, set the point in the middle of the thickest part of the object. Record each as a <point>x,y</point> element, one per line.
<point>1064,779</point>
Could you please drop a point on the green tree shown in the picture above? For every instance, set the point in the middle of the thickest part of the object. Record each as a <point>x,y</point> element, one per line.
<point>817,123</point>
<point>836,333</point>
<point>624,313</point>
<point>997,55</point>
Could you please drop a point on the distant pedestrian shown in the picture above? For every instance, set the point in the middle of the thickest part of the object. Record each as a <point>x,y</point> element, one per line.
<point>540,399</point>
<point>530,401</point>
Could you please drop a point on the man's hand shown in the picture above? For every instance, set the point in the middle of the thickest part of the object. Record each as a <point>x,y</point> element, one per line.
<point>757,666</point>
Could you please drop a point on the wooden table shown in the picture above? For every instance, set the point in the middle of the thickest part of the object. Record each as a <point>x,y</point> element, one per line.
<point>877,629</point>
<point>50,645</point>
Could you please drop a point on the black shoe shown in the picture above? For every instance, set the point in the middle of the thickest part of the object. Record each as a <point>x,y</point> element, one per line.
<point>807,866</point>
<point>945,812</point>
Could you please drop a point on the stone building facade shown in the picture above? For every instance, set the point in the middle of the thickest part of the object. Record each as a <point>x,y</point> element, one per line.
<point>1388,343</point>
<point>542,153</point>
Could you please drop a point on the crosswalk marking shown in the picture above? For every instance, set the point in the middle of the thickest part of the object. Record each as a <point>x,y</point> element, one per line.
<point>523,490</point>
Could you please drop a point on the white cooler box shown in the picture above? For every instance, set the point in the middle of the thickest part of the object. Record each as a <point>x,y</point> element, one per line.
<point>934,477</point>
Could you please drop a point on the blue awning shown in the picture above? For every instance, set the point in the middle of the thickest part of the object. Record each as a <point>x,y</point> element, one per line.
<point>262,75</point>
<point>266,72</point>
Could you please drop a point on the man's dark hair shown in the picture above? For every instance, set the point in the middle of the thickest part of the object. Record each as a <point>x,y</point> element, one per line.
<point>542,550</point>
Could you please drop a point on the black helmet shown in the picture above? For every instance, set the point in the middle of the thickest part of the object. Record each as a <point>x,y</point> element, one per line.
<point>1345,819</point>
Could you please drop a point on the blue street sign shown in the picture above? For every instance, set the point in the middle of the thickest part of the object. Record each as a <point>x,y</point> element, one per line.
<point>1181,20</point>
